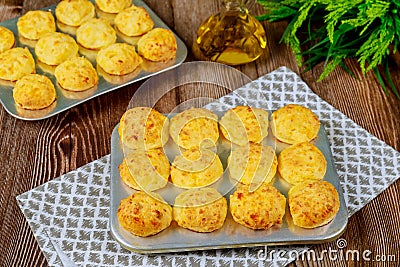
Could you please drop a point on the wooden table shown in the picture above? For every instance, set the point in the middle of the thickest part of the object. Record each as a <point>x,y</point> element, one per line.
<point>33,153</point>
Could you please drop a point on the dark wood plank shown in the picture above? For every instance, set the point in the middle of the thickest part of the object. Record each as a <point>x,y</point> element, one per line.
<point>164,10</point>
<point>33,153</point>
<point>10,9</point>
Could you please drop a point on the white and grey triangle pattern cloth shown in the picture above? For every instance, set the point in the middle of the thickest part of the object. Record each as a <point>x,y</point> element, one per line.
<point>69,215</point>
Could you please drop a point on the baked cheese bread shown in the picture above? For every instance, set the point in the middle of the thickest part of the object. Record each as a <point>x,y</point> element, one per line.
<point>96,33</point>
<point>7,39</point>
<point>76,74</point>
<point>143,128</point>
<point>194,128</point>
<point>56,47</point>
<point>294,124</point>
<point>260,209</point>
<point>34,91</point>
<point>201,210</point>
<point>157,45</point>
<point>196,168</point>
<point>244,124</point>
<point>144,214</point>
<point>113,6</point>
<point>16,63</point>
<point>35,23</point>
<point>252,164</point>
<point>313,203</point>
<point>134,21</point>
<point>118,59</point>
<point>145,170</point>
<point>74,12</point>
<point>301,162</point>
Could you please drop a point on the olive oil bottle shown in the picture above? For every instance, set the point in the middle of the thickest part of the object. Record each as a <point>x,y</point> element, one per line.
<point>232,37</point>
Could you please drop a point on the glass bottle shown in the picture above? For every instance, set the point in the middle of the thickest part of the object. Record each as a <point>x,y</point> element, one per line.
<point>232,36</point>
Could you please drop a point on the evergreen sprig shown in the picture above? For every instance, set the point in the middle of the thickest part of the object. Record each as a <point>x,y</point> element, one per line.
<point>331,31</point>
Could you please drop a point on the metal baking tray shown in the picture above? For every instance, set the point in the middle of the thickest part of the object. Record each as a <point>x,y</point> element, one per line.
<point>67,99</point>
<point>232,234</point>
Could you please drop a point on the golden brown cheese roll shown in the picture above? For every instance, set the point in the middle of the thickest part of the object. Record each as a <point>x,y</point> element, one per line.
<point>201,210</point>
<point>74,12</point>
<point>34,91</point>
<point>34,24</point>
<point>96,33</point>
<point>196,168</point>
<point>301,162</point>
<point>194,128</point>
<point>134,21</point>
<point>313,203</point>
<point>260,209</point>
<point>16,63</point>
<point>143,128</point>
<point>157,45</point>
<point>7,39</point>
<point>294,124</point>
<point>252,164</point>
<point>113,6</point>
<point>118,59</point>
<point>76,74</point>
<point>244,124</point>
<point>54,48</point>
<point>144,214</point>
<point>145,170</point>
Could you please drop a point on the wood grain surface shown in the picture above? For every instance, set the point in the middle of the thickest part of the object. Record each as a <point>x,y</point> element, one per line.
<point>33,153</point>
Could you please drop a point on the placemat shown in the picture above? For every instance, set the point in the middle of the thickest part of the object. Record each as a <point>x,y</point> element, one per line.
<point>69,215</point>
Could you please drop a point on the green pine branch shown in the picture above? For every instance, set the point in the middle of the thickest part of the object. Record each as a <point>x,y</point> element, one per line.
<point>331,31</point>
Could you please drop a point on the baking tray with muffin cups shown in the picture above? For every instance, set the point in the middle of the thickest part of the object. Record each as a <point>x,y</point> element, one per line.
<point>232,234</point>
<point>68,99</point>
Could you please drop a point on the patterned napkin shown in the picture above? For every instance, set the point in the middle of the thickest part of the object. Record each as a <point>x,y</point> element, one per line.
<point>69,215</point>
